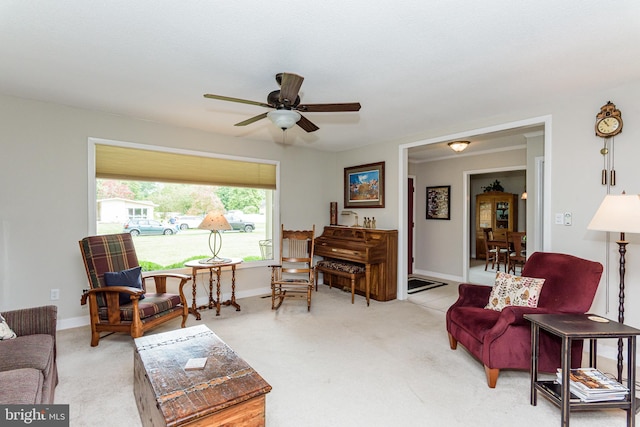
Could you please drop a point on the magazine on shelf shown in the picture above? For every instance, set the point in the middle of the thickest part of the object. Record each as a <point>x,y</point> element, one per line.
<point>591,385</point>
<point>554,388</point>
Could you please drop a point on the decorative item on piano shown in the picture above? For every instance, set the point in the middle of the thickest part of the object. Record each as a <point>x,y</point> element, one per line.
<point>333,213</point>
<point>369,222</point>
<point>355,224</point>
<point>364,186</point>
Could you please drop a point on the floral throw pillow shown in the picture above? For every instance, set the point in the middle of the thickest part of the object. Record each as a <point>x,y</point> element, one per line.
<point>514,290</point>
<point>6,333</point>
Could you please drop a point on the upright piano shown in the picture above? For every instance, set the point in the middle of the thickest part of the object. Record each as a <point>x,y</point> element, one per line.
<point>375,248</point>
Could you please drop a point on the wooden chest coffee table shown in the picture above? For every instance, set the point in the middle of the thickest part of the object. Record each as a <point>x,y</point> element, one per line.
<point>226,392</point>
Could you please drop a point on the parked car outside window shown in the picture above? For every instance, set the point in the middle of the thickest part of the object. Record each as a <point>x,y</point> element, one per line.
<point>238,223</point>
<point>136,227</point>
<point>186,222</point>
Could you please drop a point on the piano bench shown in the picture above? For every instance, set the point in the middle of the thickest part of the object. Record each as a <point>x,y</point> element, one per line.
<point>330,267</point>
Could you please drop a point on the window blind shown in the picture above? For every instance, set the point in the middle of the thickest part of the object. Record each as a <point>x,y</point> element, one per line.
<point>115,162</point>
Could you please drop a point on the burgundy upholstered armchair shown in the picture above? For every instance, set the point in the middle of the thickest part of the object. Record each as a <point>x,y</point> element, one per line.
<point>502,339</point>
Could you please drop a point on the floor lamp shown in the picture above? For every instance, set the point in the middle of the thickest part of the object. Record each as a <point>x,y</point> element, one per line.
<point>619,213</point>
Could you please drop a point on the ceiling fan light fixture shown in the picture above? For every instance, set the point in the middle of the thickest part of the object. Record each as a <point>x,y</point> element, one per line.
<point>284,119</point>
<point>458,146</point>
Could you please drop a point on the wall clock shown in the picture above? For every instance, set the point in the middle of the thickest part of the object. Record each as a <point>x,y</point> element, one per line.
<point>608,125</point>
<point>608,121</point>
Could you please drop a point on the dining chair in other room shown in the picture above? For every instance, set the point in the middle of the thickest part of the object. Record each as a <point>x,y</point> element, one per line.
<point>517,254</point>
<point>493,253</point>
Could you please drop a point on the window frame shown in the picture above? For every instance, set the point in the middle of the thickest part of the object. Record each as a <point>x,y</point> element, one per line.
<point>273,214</point>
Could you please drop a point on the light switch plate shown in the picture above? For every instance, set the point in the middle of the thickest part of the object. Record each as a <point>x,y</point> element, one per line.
<point>559,218</point>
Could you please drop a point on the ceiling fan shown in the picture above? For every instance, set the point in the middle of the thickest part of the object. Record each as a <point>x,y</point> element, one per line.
<point>286,103</point>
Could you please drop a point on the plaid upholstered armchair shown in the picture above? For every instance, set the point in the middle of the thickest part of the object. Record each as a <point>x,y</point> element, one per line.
<point>118,300</point>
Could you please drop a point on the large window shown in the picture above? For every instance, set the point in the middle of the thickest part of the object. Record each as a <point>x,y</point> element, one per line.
<point>160,197</point>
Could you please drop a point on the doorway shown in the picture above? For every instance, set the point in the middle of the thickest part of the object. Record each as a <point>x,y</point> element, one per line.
<point>512,182</point>
<point>542,125</point>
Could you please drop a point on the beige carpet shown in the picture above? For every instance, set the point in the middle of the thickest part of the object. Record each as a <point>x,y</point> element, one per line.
<point>339,365</point>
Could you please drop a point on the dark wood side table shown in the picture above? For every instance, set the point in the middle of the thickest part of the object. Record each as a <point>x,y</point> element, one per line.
<point>196,265</point>
<point>571,327</point>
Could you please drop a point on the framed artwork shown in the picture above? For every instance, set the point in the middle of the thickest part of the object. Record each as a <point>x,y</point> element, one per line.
<point>438,202</point>
<point>364,186</point>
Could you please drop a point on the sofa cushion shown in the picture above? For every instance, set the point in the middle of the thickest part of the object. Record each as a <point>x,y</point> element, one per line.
<point>514,290</point>
<point>29,351</point>
<point>6,333</point>
<point>131,277</point>
<point>21,386</point>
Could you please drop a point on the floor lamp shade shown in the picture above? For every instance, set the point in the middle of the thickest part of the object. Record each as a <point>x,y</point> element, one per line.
<point>619,213</point>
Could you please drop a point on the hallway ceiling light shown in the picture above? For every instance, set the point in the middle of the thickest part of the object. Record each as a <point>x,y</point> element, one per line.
<point>458,146</point>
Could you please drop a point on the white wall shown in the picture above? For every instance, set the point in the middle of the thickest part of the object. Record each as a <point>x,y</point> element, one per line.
<point>386,218</point>
<point>44,194</point>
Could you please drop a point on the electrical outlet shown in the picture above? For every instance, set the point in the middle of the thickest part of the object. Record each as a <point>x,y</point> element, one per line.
<point>567,218</point>
<point>55,294</point>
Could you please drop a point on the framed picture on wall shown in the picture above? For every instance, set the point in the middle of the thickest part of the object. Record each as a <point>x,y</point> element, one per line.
<point>364,186</point>
<point>439,202</point>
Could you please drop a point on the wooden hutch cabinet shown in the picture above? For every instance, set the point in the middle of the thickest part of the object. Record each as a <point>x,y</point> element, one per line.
<point>496,210</point>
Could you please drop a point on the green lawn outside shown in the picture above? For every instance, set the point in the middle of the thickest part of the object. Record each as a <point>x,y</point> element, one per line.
<point>191,244</point>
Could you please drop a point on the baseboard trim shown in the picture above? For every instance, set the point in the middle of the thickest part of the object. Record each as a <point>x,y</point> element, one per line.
<point>435,275</point>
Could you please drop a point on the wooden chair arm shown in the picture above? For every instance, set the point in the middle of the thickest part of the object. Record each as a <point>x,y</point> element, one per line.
<point>134,293</point>
<point>175,275</point>
<point>160,282</point>
<point>126,289</point>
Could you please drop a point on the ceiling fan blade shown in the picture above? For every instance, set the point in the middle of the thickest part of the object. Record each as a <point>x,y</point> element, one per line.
<point>306,124</point>
<point>328,108</point>
<point>252,120</point>
<point>290,86</point>
<point>242,101</point>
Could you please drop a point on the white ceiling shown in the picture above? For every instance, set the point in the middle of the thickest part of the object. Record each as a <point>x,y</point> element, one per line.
<point>414,65</point>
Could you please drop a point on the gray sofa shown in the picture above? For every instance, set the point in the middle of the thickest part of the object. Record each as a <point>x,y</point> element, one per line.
<point>28,371</point>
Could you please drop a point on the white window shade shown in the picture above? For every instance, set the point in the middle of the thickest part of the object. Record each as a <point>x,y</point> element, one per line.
<point>115,162</point>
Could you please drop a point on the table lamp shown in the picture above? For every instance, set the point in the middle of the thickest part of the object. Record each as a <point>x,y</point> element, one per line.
<point>215,221</point>
<point>619,213</point>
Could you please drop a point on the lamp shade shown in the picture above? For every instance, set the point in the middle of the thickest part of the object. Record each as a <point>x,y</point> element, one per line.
<point>284,119</point>
<point>214,221</point>
<point>618,213</point>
